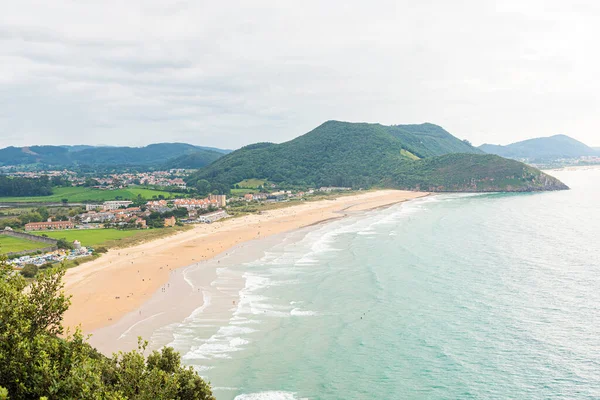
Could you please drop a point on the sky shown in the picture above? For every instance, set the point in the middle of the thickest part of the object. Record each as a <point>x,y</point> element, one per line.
<point>227,74</point>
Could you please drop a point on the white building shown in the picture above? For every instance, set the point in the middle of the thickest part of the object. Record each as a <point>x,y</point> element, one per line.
<point>213,216</point>
<point>116,204</point>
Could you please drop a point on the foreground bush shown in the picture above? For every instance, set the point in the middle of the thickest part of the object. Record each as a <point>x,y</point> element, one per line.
<point>35,362</point>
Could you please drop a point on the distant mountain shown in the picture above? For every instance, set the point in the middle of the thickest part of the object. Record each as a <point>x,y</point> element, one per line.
<point>195,160</point>
<point>105,157</point>
<point>547,148</point>
<point>371,155</point>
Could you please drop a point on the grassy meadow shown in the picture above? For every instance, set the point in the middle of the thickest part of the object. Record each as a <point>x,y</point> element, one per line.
<point>90,237</point>
<point>111,238</point>
<point>81,194</point>
<point>251,183</point>
<point>9,244</point>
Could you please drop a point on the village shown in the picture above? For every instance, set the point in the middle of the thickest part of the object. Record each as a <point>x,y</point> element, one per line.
<point>173,178</point>
<point>122,214</point>
<point>132,216</point>
<point>163,212</point>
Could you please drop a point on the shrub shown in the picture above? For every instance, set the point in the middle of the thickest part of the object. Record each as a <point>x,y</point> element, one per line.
<point>29,271</point>
<point>37,363</point>
<point>64,244</point>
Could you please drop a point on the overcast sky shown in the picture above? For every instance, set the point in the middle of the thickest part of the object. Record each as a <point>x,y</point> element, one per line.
<point>231,73</point>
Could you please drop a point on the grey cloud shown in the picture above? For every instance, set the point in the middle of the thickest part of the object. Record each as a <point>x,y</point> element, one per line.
<point>231,74</point>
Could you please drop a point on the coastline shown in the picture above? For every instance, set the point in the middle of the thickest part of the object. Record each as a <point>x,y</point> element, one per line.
<point>112,287</point>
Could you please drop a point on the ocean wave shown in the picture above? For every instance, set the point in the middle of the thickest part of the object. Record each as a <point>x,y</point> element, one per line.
<point>138,323</point>
<point>269,395</point>
<point>206,302</point>
<point>302,313</point>
<point>216,348</point>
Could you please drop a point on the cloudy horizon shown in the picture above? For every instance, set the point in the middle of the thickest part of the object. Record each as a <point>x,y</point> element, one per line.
<point>135,73</point>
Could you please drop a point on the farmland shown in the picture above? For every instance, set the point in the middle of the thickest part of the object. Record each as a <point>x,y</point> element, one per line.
<point>9,244</point>
<point>91,237</point>
<point>85,194</point>
<point>110,238</point>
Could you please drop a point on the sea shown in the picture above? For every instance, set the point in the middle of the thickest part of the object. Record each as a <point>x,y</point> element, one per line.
<point>452,296</point>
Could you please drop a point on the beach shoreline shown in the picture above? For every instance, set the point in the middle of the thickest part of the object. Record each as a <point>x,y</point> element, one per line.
<point>112,287</point>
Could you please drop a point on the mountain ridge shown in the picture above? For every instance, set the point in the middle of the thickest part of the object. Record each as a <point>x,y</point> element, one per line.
<point>373,155</point>
<point>543,148</point>
<point>105,156</point>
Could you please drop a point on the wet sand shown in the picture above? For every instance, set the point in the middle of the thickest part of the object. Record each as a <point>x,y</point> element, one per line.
<point>111,290</point>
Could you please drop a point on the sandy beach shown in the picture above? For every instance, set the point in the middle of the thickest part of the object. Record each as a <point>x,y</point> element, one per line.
<point>121,281</point>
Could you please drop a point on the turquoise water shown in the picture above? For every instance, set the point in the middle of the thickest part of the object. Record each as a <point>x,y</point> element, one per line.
<point>450,297</point>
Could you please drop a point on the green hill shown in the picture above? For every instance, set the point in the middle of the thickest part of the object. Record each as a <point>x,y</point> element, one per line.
<point>428,140</point>
<point>547,148</point>
<point>197,159</point>
<point>368,155</point>
<point>106,157</point>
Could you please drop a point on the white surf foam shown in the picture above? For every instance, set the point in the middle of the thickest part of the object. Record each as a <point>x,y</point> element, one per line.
<point>302,313</point>
<point>270,395</point>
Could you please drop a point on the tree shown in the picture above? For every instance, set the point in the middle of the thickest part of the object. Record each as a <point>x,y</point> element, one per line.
<point>64,244</point>
<point>64,201</point>
<point>203,187</point>
<point>35,362</point>
<point>29,271</point>
<point>43,212</point>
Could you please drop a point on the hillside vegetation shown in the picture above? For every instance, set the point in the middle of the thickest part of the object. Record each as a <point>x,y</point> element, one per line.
<point>40,360</point>
<point>106,157</point>
<point>368,155</point>
<point>547,148</point>
<point>428,140</point>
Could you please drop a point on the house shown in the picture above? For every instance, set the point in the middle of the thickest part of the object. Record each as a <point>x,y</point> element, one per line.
<point>49,225</point>
<point>115,204</point>
<point>97,217</point>
<point>213,216</point>
<point>220,199</point>
<point>152,205</point>
<point>170,222</point>
<point>191,204</point>
<point>141,223</point>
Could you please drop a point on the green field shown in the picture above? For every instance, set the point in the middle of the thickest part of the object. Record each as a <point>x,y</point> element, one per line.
<point>241,192</point>
<point>80,194</point>
<point>9,244</point>
<point>91,237</point>
<point>252,183</point>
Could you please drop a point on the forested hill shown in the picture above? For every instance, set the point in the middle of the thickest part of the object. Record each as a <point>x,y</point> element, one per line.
<point>99,157</point>
<point>547,148</point>
<point>427,140</point>
<point>368,155</point>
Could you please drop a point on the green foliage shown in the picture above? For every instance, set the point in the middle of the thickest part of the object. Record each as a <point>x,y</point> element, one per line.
<point>367,155</point>
<point>429,140</point>
<point>29,271</point>
<point>197,159</point>
<point>472,173</point>
<point>63,243</point>
<point>36,363</point>
<point>12,186</point>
